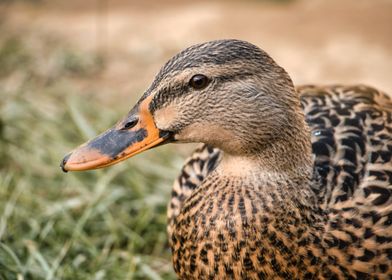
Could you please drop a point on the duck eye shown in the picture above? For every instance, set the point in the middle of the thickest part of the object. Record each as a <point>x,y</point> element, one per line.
<point>198,81</point>
<point>130,124</point>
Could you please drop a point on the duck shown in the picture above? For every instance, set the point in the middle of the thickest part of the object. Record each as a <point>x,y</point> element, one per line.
<point>288,183</point>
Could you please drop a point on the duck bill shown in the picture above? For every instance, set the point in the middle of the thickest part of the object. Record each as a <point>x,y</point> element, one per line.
<point>117,143</point>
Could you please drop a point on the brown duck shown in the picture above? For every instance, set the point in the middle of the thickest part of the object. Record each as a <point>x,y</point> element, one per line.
<point>289,184</point>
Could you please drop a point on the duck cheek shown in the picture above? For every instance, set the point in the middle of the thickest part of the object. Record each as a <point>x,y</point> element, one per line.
<point>165,118</point>
<point>195,132</point>
<point>211,134</point>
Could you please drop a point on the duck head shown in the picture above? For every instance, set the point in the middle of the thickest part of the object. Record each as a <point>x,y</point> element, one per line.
<point>226,93</point>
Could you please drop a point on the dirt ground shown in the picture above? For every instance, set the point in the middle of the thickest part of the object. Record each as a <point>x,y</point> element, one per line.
<point>316,41</point>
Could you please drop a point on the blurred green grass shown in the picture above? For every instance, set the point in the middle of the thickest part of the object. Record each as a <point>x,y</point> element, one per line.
<point>105,224</point>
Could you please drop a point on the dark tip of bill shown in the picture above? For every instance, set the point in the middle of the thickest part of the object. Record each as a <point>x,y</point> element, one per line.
<point>62,165</point>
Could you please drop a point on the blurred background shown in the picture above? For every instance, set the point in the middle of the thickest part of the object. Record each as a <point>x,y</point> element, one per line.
<point>70,69</point>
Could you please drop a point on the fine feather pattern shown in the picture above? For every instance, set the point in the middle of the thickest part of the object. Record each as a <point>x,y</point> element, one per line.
<point>351,135</point>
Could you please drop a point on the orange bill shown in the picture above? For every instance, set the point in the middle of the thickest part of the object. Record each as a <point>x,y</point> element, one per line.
<point>118,143</point>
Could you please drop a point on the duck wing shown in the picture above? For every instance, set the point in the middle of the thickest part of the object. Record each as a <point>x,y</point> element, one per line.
<point>351,130</point>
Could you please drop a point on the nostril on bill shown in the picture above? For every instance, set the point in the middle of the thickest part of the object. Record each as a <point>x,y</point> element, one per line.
<point>131,124</point>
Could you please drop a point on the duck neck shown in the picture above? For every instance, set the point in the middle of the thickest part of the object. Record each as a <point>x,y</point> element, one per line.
<point>287,157</point>
<point>281,171</point>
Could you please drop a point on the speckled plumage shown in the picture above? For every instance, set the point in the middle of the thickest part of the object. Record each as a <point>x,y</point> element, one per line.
<point>350,235</point>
